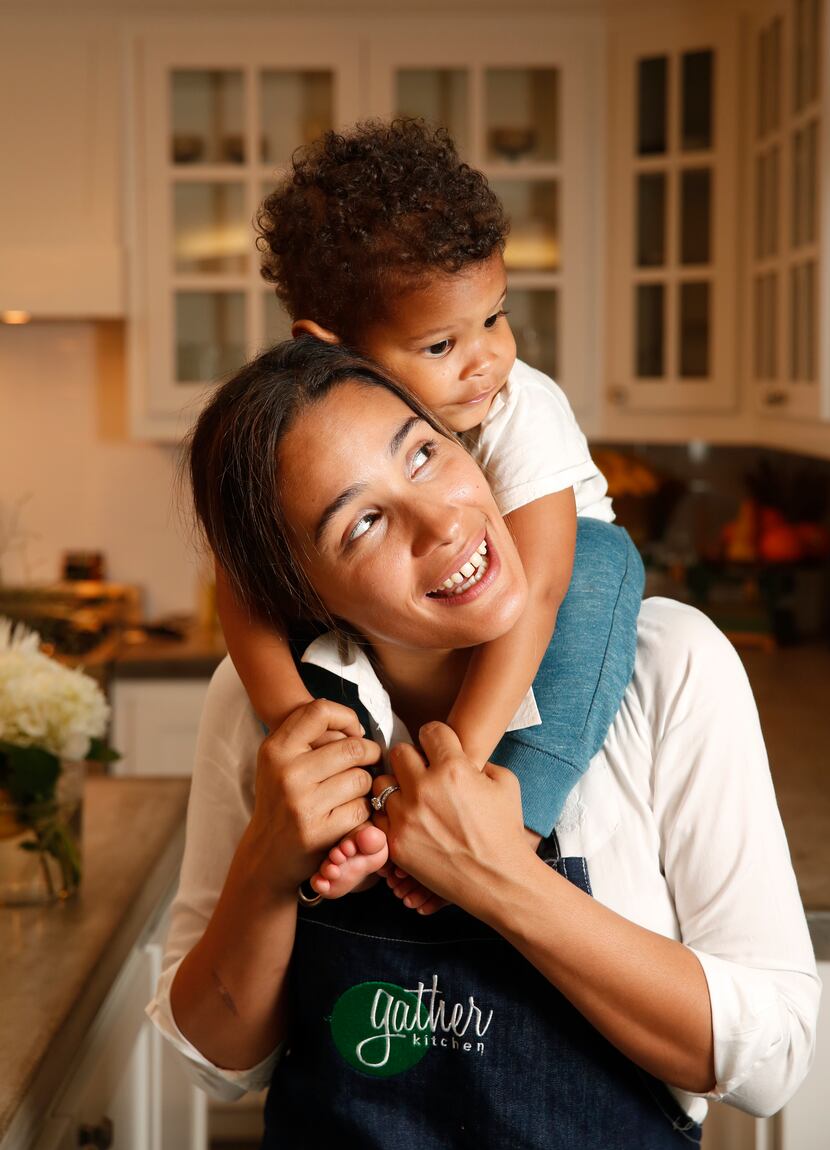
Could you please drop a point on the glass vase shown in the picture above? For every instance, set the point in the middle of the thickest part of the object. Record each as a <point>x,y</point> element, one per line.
<point>40,843</point>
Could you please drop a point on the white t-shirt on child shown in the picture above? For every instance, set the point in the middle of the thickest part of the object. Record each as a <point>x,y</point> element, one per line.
<point>529,445</point>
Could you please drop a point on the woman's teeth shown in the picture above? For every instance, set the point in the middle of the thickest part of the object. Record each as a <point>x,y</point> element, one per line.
<point>467,575</point>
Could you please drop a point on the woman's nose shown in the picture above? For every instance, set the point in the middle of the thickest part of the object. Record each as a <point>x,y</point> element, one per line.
<point>436,524</point>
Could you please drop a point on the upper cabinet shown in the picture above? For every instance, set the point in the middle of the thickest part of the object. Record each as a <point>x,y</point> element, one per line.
<point>61,135</point>
<point>217,119</point>
<point>662,167</point>
<point>215,124</point>
<point>789,365</point>
<point>523,108</point>
<point>672,203</point>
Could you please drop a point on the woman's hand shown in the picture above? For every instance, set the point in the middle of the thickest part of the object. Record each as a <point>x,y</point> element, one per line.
<point>448,811</point>
<point>311,788</point>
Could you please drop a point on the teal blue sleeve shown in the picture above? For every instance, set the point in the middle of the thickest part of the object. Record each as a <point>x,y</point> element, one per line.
<point>583,675</point>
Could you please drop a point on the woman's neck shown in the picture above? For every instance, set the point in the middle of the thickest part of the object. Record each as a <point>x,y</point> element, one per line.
<point>422,685</point>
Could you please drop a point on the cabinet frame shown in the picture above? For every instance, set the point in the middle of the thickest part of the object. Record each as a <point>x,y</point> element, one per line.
<point>161,408</point>
<point>671,34</point>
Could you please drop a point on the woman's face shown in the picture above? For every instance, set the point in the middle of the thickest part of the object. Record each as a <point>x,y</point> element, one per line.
<point>385,512</point>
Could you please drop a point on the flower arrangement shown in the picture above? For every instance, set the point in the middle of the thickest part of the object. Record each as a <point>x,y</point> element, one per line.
<point>50,716</point>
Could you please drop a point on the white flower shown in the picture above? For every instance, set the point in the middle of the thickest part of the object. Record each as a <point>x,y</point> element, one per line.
<point>44,704</point>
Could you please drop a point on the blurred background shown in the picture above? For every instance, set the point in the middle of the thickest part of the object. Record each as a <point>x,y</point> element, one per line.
<point>667,171</point>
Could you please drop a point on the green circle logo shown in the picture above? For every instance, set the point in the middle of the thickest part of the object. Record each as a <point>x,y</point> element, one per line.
<point>380,1029</point>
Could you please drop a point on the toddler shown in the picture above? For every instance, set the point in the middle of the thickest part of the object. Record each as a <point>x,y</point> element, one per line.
<point>382,239</point>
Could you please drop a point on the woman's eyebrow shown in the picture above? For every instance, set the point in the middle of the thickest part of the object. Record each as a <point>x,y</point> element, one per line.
<point>350,493</point>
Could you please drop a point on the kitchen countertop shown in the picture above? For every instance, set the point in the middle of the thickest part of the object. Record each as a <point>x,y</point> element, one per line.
<point>60,961</point>
<point>196,656</point>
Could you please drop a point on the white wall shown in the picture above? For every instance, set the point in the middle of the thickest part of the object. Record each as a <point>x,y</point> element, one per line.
<point>63,444</point>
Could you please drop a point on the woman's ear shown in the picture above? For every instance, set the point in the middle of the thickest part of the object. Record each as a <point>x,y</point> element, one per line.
<point>309,327</point>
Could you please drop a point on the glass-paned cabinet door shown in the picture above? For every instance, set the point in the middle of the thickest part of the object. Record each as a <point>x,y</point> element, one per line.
<point>520,109</point>
<point>673,201</point>
<point>216,123</point>
<point>787,228</point>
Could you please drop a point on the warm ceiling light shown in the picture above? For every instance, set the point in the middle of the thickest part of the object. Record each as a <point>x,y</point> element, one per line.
<point>15,316</point>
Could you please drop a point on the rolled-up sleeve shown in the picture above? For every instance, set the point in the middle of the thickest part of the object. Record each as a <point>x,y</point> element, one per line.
<point>727,863</point>
<point>219,810</point>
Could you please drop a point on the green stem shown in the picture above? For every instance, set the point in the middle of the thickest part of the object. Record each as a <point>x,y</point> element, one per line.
<point>47,876</point>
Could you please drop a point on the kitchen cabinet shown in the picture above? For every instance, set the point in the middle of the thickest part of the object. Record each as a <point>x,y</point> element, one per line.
<point>628,149</point>
<point>215,121</point>
<point>78,1054</point>
<point>215,117</point>
<point>60,137</point>
<point>788,362</point>
<point>155,723</point>
<point>127,1089</point>
<point>673,252</point>
<point>525,110</point>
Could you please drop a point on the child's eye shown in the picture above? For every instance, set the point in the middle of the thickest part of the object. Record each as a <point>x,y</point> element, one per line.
<point>436,350</point>
<point>422,456</point>
<point>362,526</point>
<point>492,320</point>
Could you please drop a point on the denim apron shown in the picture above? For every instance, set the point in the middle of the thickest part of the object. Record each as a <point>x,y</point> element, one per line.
<point>432,1033</point>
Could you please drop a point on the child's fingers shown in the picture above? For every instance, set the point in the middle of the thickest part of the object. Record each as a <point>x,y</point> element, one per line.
<point>433,904</point>
<point>439,743</point>
<point>404,886</point>
<point>416,898</point>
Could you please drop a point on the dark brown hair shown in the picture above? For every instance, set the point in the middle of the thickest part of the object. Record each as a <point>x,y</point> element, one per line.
<point>232,458</point>
<point>368,213</point>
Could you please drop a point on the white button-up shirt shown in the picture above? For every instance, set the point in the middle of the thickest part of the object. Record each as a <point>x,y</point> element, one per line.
<point>676,817</point>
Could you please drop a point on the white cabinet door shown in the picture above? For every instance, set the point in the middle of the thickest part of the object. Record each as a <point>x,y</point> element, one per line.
<point>110,1087</point>
<point>673,206</point>
<point>60,133</point>
<point>218,110</point>
<point>526,109</point>
<point>155,723</point>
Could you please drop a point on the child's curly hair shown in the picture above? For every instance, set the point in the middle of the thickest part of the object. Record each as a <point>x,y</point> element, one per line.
<point>366,214</point>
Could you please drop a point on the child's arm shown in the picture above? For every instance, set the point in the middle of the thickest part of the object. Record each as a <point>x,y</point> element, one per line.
<point>262,658</point>
<point>501,672</point>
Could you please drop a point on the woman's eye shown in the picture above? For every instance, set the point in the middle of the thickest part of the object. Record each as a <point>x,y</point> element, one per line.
<point>362,526</point>
<point>423,455</point>
<point>438,349</point>
<point>492,320</point>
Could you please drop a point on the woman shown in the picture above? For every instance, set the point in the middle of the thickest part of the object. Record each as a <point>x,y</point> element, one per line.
<point>528,1013</point>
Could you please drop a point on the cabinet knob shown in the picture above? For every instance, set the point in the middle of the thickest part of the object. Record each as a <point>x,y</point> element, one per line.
<point>99,1136</point>
<point>776,398</point>
<point>617,394</point>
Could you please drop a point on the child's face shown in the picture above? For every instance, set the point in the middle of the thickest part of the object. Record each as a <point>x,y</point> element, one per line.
<point>450,342</point>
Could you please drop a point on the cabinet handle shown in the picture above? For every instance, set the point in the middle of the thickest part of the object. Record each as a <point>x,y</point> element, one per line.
<point>776,398</point>
<point>99,1136</point>
<point>617,394</point>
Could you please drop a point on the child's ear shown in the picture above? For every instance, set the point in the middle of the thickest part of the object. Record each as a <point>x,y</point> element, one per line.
<point>309,327</point>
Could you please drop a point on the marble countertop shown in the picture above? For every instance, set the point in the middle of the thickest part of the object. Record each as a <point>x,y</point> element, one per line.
<point>59,962</point>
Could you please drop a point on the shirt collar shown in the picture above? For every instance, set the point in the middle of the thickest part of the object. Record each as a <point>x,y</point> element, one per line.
<point>355,667</point>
